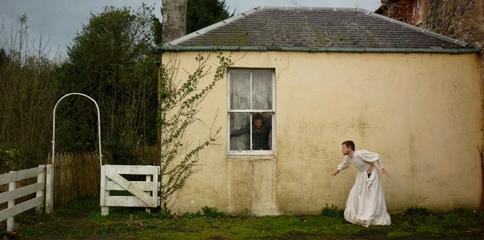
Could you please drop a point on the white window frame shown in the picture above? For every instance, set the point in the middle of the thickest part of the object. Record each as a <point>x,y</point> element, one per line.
<point>272,111</point>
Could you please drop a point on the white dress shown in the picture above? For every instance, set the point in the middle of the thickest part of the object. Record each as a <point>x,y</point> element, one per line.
<point>366,202</point>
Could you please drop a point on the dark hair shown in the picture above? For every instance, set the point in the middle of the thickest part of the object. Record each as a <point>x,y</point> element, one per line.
<point>258,116</point>
<point>349,144</point>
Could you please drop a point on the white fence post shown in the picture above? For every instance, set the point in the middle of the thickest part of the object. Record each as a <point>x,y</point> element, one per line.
<point>148,179</point>
<point>11,203</point>
<point>49,189</point>
<point>104,192</point>
<point>156,182</point>
<point>40,193</point>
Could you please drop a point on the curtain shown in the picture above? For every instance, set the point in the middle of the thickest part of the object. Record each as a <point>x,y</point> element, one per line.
<point>240,100</point>
<point>240,89</point>
<point>239,131</point>
<point>262,90</point>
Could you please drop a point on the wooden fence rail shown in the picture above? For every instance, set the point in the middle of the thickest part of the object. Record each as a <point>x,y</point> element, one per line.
<point>43,175</point>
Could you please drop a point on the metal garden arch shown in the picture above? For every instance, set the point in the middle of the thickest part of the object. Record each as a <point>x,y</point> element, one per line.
<point>144,194</point>
<point>98,125</point>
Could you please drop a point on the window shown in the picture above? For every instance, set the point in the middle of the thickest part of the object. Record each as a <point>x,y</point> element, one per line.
<point>251,111</point>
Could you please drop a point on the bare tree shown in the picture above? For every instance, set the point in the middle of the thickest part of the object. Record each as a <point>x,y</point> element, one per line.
<point>27,93</point>
<point>454,18</point>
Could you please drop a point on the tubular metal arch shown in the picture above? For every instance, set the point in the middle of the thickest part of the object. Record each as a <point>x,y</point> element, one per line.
<point>98,125</point>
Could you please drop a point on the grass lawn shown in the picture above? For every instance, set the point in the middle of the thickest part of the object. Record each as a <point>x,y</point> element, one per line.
<point>81,220</point>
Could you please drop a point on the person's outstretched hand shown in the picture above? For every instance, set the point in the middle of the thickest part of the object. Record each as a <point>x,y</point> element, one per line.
<point>335,172</point>
<point>384,171</point>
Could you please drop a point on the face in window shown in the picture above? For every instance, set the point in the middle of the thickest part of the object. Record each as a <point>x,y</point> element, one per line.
<point>258,124</point>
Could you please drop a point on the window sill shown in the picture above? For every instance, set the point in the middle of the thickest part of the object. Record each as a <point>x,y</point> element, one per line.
<point>246,157</point>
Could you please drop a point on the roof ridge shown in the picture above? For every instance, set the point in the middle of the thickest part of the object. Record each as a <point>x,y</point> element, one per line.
<point>417,29</point>
<point>305,8</point>
<point>211,27</point>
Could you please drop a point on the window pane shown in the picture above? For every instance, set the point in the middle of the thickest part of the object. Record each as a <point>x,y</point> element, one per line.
<point>262,131</point>
<point>239,131</point>
<point>262,89</point>
<point>239,89</point>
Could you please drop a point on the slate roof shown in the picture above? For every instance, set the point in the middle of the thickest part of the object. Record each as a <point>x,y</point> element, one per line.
<point>315,29</point>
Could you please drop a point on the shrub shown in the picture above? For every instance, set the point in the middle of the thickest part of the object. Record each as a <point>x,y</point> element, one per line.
<point>212,212</point>
<point>331,211</point>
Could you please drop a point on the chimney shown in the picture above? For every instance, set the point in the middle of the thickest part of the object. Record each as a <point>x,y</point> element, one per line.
<point>174,19</point>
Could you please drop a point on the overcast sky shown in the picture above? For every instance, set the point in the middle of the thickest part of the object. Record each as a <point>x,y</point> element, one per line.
<point>57,21</point>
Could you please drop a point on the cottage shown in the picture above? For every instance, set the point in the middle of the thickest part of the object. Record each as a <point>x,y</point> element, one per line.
<point>304,80</point>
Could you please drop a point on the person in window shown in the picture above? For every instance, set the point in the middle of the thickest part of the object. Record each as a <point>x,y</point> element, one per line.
<point>261,133</point>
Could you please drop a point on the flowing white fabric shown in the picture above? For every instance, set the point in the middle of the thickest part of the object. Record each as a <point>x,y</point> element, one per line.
<point>366,202</point>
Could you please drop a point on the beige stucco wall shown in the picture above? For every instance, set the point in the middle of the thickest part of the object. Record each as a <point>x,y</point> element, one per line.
<point>422,112</point>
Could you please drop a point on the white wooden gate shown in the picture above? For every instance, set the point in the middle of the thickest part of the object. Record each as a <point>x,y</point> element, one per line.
<point>142,193</point>
<point>42,189</point>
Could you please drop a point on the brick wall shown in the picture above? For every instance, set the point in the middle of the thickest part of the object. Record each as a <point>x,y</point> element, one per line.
<point>402,10</point>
